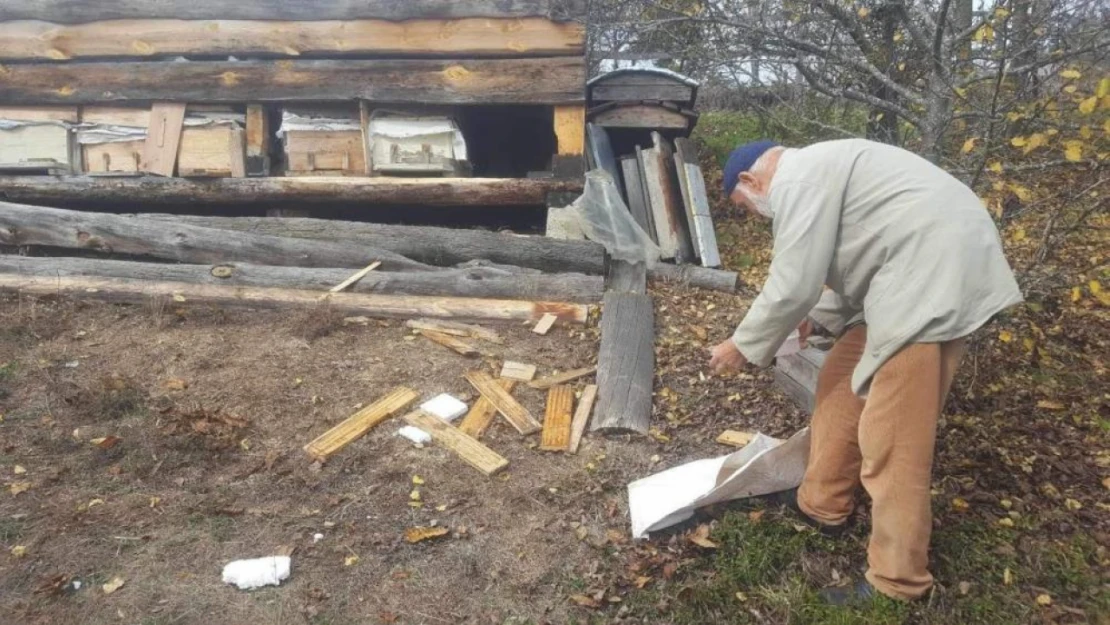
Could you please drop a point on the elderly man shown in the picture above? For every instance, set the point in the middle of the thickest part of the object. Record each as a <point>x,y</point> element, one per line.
<point>901,261</point>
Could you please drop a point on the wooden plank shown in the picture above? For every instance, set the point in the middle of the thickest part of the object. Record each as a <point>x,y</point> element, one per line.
<point>212,151</point>
<point>163,135</point>
<point>236,145</point>
<point>471,451</point>
<point>358,424</point>
<point>147,191</point>
<point>383,306</point>
<point>581,417</point>
<point>450,342</point>
<point>518,371</point>
<point>455,328</point>
<point>661,182</point>
<point>257,141</point>
<point>637,93</point>
<point>481,414</point>
<point>113,158</point>
<point>543,326</point>
<point>81,11</point>
<point>136,117</point>
<point>804,366</point>
<point>635,194</point>
<point>557,417</point>
<point>148,38</point>
<point>39,113</point>
<point>339,152</point>
<point>641,116</point>
<point>570,128</point>
<point>364,111</point>
<point>517,415</point>
<point>548,80</point>
<point>696,199</point>
<point>799,393</point>
<point>626,363</point>
<point>626,277</point>
<point>358,275</point>
<point>735,438</point>
<point>562,378</point>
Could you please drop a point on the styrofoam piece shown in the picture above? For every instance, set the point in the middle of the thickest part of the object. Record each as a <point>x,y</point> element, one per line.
<point>445,407</point>
<point>258,572</point>
<point>415,434</point>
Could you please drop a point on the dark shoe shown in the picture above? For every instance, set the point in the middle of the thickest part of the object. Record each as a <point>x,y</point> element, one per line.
<point>789,498</point>
<point>848,595</point>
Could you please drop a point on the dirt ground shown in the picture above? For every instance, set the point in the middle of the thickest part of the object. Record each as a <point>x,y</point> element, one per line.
<point>211,409</point>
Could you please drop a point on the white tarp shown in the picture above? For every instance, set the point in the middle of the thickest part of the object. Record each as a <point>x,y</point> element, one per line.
<point>765,465</point>
<point>440,130</point>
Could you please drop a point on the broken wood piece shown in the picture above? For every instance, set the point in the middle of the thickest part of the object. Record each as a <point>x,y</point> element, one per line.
<point>518,371</point>
<point>455,328</point>
<point>626,364</point>
<point>163,136</point>
<point>543,326</point>
<point>562,378</point>
<point>450,342</point>
<point>581,416</point>
<point>735,438</point>
<point>478,420</point>
<point>360,274</point>
<point>517,415</point>
<point>556,421</point>
<point>471,451</point>
<point>358,424</point>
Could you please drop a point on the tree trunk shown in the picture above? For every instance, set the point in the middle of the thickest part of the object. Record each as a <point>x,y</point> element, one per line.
<point>471,282</point>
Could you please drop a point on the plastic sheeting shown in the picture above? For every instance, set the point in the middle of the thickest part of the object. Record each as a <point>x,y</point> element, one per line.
<point>605,218</point>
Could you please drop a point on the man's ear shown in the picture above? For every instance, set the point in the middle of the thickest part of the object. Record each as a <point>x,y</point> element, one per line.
<point>746,178</point>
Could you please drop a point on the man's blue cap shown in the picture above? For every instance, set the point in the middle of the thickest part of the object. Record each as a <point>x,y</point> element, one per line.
<point>741,160</point>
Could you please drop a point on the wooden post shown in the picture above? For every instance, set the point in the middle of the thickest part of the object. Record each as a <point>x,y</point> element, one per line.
<point>258,141</point>
<point>163,135</point>
<point>570,137</point>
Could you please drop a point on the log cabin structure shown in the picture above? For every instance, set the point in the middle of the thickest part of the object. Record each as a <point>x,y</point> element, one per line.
<point>138,83</point>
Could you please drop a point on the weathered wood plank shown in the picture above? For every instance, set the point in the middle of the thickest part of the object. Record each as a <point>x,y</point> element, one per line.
<point>626,363</point>
<point>466,38</point>
<point>570,129</point>
<point>640,116</point>
<point>665,196</point>
<point>459,347</point>
<point>257,141</point>
<point>581,417</point>
<point>637,199</point>
<point>735,438</point>
<point>696,200</point>
<point>562,378</point>
<point>358,424</point>
<point>148,191</point>
<point>81,11</point>
<point>481,414</point>
<point>797,375</point>
<point>518,371</point>
<point>471,451</point>
<point>517,415</point>
<point>551,80</point>
<point>543,326</point>
<point>162,137</point>
<point>455,328</point>
<point>557,419</point>
<point>636,93</point>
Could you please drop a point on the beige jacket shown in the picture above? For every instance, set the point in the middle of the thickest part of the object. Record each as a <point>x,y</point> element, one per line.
<point>896,239</point>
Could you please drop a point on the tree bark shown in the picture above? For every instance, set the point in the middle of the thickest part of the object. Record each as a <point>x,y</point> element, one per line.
<point>386,306</point>
<point>470,282</point>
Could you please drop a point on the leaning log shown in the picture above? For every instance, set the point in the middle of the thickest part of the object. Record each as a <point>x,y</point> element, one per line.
<point>487,282</point>
<point>55,227</point>
<point>385,306</point>
<point>431,245</point>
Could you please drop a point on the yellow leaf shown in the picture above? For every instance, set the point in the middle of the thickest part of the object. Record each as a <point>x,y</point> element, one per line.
<point>984,33</point>
<point>1071,89</point>
<point>1070,74</point>
<point>416,479</point>
<point>350,561</point>
<point>969,145</point>
<point>1103,88</point>
<point>1005,336</point>
<point>1072,504</point>
<point>1087,106</point>
<point>1001,13</point>
<point>1018,235</point>
<point>1073,151</point>
<point>1036,140</point>
<point>1085,132</point>
<point>1095,286</point>
<point>1021,192</point>
<point>700,537</point>
<point>415,494</point>
<point>901,67</point>
<point>898,36</point>
<point>863,12</point>
<point>1017,142</point>
<point>113,585</point>
<point>1050,405</point>
<point>995,166</point>
<point>175,384</point>
<point>1076,294</point>
<point>18,470</point>
<point>1106,482</point>
<point>1007,577</point>
<point>19,551</point>
<point>19,487</point>
<point>417,534</point>
<point>1028,344</point>
<point>960,504</point>
<point>1044,600</point>
<point>154,501</point>
<point>1006,522</point>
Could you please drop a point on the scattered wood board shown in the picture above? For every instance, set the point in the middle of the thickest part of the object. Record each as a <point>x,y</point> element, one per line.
<point>562,378</point>
<point>735,438</point>
<point>358,424</point>
<point>543,326</point>
<point>581,417</point>
<point>557,419</point>
<point>517,415</point>
<point>360,274</point>
<point>478,420</point>
<point>455,328</point>
<point>450,342</point>
<point>471,451</point>
<point>626,363</point>
<point>518,371</point>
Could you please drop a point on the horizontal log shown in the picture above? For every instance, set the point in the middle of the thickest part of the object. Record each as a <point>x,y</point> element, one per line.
<point>434,246</point>
<point>385,306</point>
<point>80,11</point>
<point>479,192</point>
<point>151,38</point>
<point>692,275</point>
<point>554,80</point>
<point>464,282</point>
<point>53,227</point>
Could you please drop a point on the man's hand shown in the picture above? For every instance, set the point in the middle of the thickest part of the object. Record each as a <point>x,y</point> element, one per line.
<point>725,357</point>
<point>804,330</point>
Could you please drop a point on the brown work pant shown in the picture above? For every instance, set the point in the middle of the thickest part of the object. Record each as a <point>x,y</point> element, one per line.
<point>884,443</point>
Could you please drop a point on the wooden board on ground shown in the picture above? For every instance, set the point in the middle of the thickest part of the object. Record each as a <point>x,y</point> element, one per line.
<point>557,419</point>
<point>450,342</point>
<point>562,378</point>
<point>163,135</point>
<point>626,363</point>
<point>735,438</point>
<point>471,451</point>
<point>358,424</point>
<point>518,371</point>
<point>360,274</point>
<point>552,80</point>
<point>696,200</point>
<point>543,326</point>
<point>481,414</point>
<point>454,328</point>
<point>581,417</point>
<point>517,415</point>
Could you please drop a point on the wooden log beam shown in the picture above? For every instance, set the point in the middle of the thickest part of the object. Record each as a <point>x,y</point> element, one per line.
<point>384,306</point>
<point>55,227</point>
<point>427,244</point>
<point>81,11</point>
<point>553,80</point>
<point>463,282</point>
<point>626,363</point>
<point>29,39</point>
<point>149,191</point>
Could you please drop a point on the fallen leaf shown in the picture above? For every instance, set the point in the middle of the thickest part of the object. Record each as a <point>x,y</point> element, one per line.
<point>417,534</point>
<point>95,502</point>
<point>1070,74</point>
<point>959,504</point>
<point>106,442</point>
<point>350,561</point>
<point>1072,504</point>
<point>1044,600</point>
<point>19,487</point>
<point>175,384</point>
<point>741,597</point>
<point>112,586</point>
<point>642,581</point>
<point>154,501</point>
<point>19,551</point>
<point>585,601</point>
<point>1106,482</point>
<point>1005,336</point>
<point>416,479</point>
<point>414,495</point>
<point>669,569</point>
<point>755,515</point>
<point>965,587</point>
<point>18,470</point>
<point>1006,522</point>
<point>582,533</point>
<point>387,617</point>
<point>348,321</point>
<point>1007,577</point>
<point>700,537</point>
